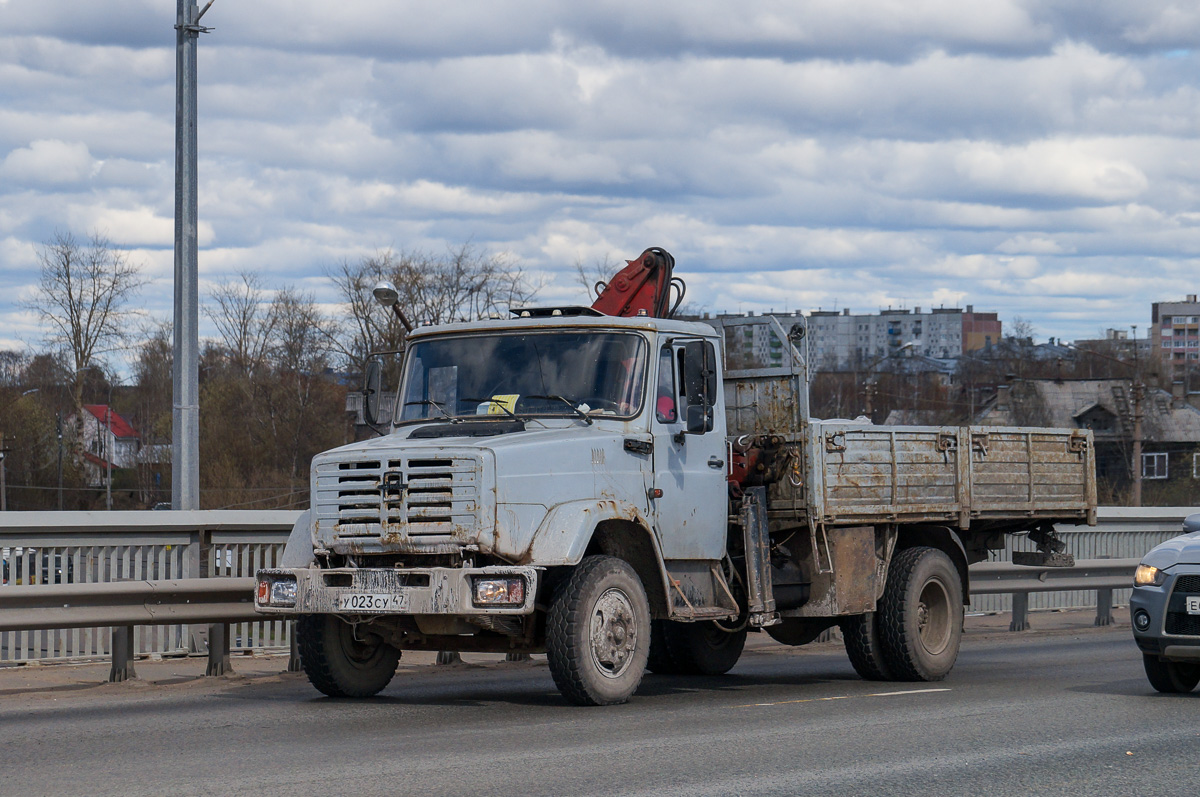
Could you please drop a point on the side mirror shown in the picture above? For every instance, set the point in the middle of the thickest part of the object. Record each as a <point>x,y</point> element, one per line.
<point>372,384</point>
<point>699,418</point>
<point>699,382</point>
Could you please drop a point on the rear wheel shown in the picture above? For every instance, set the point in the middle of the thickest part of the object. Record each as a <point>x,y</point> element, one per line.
<point>1170,676</point>
<point>660,659</point>
<point>865,647</point>
<point>921,615</point>
<point>598,633</point>
<point>342,661</point>
<point>702,648</point>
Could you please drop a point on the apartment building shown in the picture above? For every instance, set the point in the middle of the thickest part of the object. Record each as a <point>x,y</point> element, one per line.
<point>842,340</point>
<point>1175,334</point>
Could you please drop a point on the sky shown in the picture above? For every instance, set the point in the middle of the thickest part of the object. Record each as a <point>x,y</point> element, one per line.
<point>1038,159</point>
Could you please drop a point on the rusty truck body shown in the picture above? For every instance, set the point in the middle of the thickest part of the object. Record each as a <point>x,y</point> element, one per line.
<point>621,494</point>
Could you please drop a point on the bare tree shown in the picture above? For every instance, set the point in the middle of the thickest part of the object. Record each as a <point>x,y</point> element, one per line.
<point>244,320</point>
<point>12,364</point>
<point>301,336</point>
<point>590,275</point>
<point>462,286</point>
<point>84,296</point>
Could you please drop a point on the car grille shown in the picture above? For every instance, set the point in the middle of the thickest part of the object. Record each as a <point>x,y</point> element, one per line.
<point>1182,623</point>
<point>374,504</point>
<point>1188,583</point>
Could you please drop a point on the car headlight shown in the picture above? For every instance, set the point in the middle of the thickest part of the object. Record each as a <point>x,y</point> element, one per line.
<point>499,591</point>
<point>1148,576</point>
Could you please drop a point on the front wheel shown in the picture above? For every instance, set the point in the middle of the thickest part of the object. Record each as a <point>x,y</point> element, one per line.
<point>341,660</point>
<point>921,615</point>
<point>598,633</point>
<point>1170,676</point>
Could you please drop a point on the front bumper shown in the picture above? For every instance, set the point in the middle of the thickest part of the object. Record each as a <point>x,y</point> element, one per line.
<point>433,590</point>
<point>1170,633</point>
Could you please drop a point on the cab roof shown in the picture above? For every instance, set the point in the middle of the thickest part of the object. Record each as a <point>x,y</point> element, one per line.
<point>639,323</point>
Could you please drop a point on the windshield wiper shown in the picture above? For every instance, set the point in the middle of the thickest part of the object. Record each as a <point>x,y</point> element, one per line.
<point>498,403</point>
<point>435,405</point>
<point>555,397</point>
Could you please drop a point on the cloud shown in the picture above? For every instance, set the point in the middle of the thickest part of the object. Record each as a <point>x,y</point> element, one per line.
<point>49,162</point>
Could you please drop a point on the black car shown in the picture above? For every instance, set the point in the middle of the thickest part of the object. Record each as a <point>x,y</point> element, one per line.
<point>1165,609</point>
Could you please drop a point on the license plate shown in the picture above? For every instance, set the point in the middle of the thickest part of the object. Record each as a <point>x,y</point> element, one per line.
<point>372,602</point>
<point>1193,604</point>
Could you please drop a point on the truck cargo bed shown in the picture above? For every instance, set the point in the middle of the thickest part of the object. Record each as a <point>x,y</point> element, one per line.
<point>863,474</point>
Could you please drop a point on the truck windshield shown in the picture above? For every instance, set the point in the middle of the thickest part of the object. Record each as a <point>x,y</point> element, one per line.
<point>524,374</point>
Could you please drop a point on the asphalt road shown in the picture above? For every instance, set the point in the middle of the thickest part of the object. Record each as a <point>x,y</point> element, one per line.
<point>1067,712</point>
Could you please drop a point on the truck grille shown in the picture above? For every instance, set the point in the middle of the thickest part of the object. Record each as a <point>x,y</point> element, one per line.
<point>386,504</point>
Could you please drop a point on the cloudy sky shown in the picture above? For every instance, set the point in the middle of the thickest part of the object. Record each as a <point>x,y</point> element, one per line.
<point>1038,158</point>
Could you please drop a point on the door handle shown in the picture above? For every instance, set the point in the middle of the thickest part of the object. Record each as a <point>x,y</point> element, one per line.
<point>713,462</point>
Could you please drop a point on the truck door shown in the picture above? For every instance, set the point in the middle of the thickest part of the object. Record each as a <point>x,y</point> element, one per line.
<point>689,468</point>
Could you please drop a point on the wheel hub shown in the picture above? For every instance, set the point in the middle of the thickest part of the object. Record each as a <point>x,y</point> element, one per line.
<point>934,623</point>
<point>613,633</point>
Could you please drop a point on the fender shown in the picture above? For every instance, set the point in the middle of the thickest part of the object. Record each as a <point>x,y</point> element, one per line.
<point>564,534</point>
<point>299,549</point>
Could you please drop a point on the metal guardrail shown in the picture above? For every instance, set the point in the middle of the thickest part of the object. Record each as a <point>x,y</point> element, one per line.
<point>125,603</point>
<point>992,578</point>
<point>43,548</point>
<point>125,606</point>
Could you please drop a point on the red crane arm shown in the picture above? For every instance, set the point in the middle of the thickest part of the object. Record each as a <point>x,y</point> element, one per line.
<point>643,287</point>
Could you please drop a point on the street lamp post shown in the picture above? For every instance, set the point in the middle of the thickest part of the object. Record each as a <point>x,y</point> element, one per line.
<point>110,435</point>
<point>58,426</point>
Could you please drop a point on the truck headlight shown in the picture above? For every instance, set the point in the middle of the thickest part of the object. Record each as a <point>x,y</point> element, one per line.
<point>506,591</point>
<point>277,592</point>
<point>1147,576</point>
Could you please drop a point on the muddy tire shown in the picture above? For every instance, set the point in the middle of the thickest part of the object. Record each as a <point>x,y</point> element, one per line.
<point>921,615</point>
<point>864,646</point>
<point>1171,676</point>
<point>703,648</point>
<point>340,664</point>
<point>598,633</point>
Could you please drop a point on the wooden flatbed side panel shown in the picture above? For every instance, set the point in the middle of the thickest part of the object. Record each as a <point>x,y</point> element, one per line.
<point>913,474</point>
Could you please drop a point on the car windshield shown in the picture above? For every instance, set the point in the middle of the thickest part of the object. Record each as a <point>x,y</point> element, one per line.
<point>580,373</point>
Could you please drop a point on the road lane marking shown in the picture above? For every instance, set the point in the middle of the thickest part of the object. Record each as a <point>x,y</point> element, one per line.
<point>845,697</point>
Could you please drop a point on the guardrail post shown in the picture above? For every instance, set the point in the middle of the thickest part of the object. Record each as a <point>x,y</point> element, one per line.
<point>294,657</point>
<point>1020,612</point>
<point>1104,605</point>
<point>218,650</point>
<point>122,654</point>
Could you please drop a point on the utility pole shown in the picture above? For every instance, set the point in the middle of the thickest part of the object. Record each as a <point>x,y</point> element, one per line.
<point>1138,392</point>
<point>185,434</point>
<point>58,427</point>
